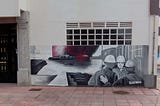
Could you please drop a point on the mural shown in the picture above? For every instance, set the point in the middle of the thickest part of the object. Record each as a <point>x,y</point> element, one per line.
<point>102,65</point>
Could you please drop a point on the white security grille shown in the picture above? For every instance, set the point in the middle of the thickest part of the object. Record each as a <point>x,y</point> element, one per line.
<point>99,33</point>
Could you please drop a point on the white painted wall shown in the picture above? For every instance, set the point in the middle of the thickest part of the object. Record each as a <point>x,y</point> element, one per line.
<point>9,8</point>
<point>48,17</point>
<point>23,4</point>
<point>159,40</point>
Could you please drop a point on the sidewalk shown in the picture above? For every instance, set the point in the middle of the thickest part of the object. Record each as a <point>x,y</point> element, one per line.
<point>77,96</point>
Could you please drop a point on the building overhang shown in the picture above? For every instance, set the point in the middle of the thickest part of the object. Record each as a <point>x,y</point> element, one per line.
<point>12,8</point>
<point>8,20</point>
<point>154,7</point>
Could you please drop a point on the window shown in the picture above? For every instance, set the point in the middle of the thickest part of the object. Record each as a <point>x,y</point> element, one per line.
<point>106,42</point>
<point>91,42</point>
<point>84,43</point>
<point>106,31</point>
<point>99,33</point>
<point>84,37</point>
<point>91,37</point>
<point>83,31</point>
<point>91,31</point>
<point>76,37</point>
<point>69,31</point>
<point>76,42</point>
<point>76,31</point>
<point>105,36</point>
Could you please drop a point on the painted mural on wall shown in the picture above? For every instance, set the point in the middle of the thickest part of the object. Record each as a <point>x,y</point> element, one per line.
<point>89,65</point>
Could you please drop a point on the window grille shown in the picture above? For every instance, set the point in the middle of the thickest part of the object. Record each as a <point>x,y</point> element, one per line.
<point>99,33</point>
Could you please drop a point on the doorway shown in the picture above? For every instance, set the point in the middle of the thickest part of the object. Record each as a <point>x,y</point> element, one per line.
<point>8,55</point>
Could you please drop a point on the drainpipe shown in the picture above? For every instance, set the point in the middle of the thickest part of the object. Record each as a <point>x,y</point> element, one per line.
<point>155,45</point>
<point>150,77</point>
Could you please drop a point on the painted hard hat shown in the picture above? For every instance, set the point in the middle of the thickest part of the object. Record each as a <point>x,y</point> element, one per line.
<point>120,59</point>
<point>110,59</point>
<point>130,63</point>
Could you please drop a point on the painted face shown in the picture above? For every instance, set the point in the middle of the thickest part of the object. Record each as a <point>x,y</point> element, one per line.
<point>120,65</point>
<point>130,69</point>
<point>110,65</point>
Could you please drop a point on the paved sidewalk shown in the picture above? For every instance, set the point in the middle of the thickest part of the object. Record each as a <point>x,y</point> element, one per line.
<point>77,96</point>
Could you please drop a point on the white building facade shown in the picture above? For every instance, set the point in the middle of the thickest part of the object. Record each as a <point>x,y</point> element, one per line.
<point>41,24</point>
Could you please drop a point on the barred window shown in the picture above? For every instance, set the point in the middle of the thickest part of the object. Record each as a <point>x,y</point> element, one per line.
<point>99,33</point>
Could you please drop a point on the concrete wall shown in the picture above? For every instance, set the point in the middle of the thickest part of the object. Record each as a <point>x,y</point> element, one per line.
<point>23,4</point>
<point>48,18</point>
<point>9,8</point>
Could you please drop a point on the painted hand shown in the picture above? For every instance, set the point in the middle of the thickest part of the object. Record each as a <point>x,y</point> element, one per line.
<point>103,79</point>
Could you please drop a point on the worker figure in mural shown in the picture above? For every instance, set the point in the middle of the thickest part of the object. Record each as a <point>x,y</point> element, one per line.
<point>104,77</point>
<point>120,72</point>
<point>133,78</point>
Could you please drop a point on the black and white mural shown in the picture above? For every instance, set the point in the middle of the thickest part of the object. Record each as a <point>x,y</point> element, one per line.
<point>102,65</point>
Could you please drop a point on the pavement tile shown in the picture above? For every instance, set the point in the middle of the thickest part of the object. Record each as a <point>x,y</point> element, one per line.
<point>72,104</point>
<point>58,104</point>
<point>45,104</point>
<point>110,105</point>
<point>83,105</point>
<point>121,101</point>
<point>149,105</point>
<point>154,99</point>
<point>122,104</point>
<point>5,104</point>
<point>133,101</point>
<point>110,102</point>
<point>158,99</point>
<point>135,104</point>
<point>155,91</point>
<point>18,104</point>
<point>97,104</point>
<point>78,96</point>
<point>148,92</point>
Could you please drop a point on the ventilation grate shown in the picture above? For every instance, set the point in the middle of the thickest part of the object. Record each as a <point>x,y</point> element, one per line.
<point>111,24</point>
<point>125,24</point>
<point>72,25</point>
<point>85,25</point>
<point>98,24</point>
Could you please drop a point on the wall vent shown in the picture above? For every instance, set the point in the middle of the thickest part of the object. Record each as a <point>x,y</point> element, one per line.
<point>111,24</point>
<point>98,24</point>
<point>72,25</point>
<point>125,24</point>
<point>85,25</point>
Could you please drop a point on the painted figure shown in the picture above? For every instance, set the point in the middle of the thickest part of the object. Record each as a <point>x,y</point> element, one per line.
<point>119,72</point>
<point>104,77</point>
<point>133,78</point>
